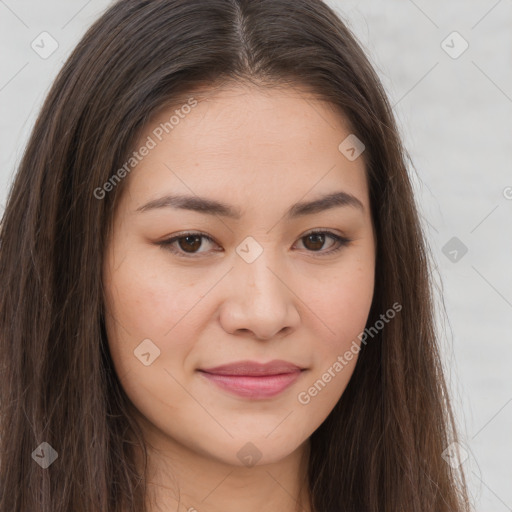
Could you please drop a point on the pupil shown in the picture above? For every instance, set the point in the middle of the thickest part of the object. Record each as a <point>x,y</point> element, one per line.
<point>319,239</point>
<point>190,239</point>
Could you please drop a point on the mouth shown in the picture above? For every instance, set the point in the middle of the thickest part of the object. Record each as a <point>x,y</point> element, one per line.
<point>254,380</point>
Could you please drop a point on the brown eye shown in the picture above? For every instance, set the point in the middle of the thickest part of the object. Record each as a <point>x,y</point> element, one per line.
<point>186,244</point>
<point>190,243</point>
<point>317,241</point>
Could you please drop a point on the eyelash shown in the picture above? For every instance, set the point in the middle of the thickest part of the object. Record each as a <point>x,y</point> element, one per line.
<point>168,244</point>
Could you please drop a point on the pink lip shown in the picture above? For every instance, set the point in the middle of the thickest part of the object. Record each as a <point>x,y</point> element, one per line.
<point>254,380</point>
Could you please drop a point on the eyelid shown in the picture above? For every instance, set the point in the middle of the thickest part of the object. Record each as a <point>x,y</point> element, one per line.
<point>342,240</point>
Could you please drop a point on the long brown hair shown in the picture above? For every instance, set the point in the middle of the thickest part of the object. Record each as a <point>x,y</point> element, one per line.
<point>381,447</point>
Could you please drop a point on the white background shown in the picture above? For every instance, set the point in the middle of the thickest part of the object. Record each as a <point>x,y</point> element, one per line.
<point>455,119</point>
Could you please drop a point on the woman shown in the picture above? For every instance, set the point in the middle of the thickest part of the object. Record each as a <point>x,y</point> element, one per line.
<point>216,286</point>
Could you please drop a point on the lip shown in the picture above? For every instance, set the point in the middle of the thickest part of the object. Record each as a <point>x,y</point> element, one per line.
<point>254,380</point>
<point>253,368</point>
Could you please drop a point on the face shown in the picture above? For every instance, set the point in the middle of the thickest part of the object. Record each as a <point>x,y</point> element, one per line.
<point>237,270</point>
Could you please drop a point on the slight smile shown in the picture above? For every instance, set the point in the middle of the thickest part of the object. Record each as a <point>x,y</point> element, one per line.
<point>250,379</point>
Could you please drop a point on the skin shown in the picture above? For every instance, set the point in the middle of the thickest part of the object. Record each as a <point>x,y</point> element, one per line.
<point>260,151</point>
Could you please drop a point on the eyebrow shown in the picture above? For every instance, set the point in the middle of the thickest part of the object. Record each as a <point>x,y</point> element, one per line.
<point>213,207</point>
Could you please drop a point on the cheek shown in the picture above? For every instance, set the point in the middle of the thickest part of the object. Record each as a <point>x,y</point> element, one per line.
<point>343,309</point>
<point>342,304</point>
<point>144,304</point>
<point>147,302</point>
<point>150,299</point>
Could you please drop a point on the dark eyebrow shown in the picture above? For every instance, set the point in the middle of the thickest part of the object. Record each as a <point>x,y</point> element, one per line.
<point>212,207</point>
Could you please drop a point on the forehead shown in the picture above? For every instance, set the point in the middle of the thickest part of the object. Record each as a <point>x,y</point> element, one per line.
<point>239,142</point>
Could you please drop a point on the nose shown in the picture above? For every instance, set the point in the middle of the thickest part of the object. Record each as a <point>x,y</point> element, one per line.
<point>260,301</point>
